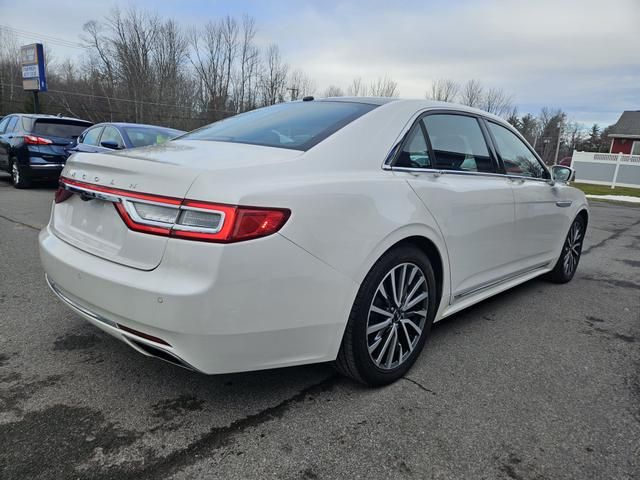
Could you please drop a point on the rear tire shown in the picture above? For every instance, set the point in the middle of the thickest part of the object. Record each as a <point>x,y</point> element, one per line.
<point>567,264</point>
<point>18,178</point>
<point>390,319</point>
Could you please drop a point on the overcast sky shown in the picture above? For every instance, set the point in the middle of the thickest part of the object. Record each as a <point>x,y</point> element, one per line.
<point>582,56</point>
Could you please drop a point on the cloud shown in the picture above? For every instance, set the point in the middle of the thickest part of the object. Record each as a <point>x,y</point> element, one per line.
<point>579,55</point>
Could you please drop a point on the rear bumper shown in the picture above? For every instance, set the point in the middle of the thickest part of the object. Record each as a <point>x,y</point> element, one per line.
<point>220,308</point>
<point>37,167</point>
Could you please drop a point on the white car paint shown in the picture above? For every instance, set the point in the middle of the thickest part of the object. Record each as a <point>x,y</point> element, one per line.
<point>285,299</point>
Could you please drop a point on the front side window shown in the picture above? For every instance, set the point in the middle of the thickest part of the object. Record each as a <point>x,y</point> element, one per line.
<point>90,137</point>
<point>415,153</point>
<point>111,134</point>
<point>516,156</point>
<point>295,125</point>
<point>635,150</point>
<point>458,143</point>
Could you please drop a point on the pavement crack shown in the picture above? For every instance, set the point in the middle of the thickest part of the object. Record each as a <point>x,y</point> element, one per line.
<point>419,385</point>
<point>17,222</point>
<point>219,437</point>
<point>616,234</point>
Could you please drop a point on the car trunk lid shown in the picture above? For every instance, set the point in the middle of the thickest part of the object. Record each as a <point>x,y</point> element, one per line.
<point>91,222</point>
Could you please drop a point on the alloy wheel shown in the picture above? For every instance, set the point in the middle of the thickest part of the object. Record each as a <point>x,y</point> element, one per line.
<point>397,315</point>
<point>572,248</point>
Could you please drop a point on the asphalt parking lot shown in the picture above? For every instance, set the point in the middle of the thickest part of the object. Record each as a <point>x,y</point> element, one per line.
<point>541,382</point>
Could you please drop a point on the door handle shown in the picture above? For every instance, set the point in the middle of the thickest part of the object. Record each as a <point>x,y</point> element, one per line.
<point>564,203</point>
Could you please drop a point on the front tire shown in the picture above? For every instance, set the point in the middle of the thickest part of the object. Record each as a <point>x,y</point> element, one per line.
<point>567,264</point>
<point>18,178</point>
<point>390,318</point>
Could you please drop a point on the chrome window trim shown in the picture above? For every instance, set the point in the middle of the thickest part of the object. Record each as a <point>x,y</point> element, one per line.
<point>435,171</point>
<point>391,156</point>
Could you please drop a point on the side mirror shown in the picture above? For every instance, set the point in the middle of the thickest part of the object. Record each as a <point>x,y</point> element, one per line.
<point>562,174</point>
<point>110,144</point>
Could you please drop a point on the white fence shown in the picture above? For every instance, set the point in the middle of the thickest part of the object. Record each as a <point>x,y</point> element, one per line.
<point>614,169</point>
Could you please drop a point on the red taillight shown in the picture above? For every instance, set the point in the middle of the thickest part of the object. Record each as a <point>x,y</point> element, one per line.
<point>254,222</point>
<point>62,195</point>
<point>186,219</point>
<point>33,140</point>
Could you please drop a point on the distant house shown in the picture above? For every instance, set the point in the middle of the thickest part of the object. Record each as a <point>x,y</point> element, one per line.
<point>625,133</point>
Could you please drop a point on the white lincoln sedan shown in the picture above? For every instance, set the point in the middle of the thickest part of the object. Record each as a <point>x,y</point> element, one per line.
<point>313,231</point>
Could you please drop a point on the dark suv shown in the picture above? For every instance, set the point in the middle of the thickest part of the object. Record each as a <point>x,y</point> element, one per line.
<point>34,146</point>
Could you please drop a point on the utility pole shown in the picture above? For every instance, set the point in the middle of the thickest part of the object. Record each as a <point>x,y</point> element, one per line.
<point>294,93</point>
<point>36,102</point>
<point>555,162</point>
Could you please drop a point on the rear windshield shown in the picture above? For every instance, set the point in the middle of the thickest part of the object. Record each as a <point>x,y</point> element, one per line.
<point>143,136</point>
<point>296,125</point>
<point>57,128</point>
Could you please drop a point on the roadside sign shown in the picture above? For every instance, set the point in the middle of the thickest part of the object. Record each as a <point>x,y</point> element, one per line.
<point>33,73</point>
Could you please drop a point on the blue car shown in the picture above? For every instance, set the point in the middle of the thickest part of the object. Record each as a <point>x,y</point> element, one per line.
<point>104,137</point>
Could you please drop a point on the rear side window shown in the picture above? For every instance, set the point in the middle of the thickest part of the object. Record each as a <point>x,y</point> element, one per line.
<point>57,128</point>
<point>296,125</point>
<point>517,158</point>
<point>91,136</point>
<point>415,153</point>
<point>3,124</point>
<point>11,126</point>
<point>458,143</point>
<point>143,136</point>
<point>111,134</point>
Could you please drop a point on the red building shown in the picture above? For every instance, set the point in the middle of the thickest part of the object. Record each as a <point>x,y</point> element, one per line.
<point>625,133</point>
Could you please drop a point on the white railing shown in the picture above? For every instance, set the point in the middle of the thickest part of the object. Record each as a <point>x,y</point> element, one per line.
<point>615,169</point>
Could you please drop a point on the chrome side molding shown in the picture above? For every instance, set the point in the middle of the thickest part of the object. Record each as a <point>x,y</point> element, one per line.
<point>494,283</point>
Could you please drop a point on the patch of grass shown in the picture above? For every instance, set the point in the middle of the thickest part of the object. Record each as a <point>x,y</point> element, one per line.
<point>606,190</point>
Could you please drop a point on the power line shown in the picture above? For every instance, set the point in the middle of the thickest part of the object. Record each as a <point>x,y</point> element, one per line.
<point>45,38</point>
<point>113,99</point>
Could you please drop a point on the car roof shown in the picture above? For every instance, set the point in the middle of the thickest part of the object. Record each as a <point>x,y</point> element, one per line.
<point>52,117</point>
<point>127,124</point>
<point>367,100</point>
<point>418,104</point>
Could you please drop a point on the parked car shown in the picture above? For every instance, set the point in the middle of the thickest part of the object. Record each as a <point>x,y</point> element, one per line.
<point>321,230</point>
<point>104,137</point>
<point>32,147</point>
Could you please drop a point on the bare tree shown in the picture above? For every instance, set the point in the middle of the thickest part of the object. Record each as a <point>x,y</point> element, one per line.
<point>333,91</point>
<point>244,86</point>
<point>472,93</point>
<point>356,88</point>
<point>444,90</point>
<point>384,87</point>
<point>10,72</point>
<point>274,76</point>
<point>497,101</point>
<point>300,85</point>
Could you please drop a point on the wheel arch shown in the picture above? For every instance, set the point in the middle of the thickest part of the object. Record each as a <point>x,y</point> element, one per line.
<point>427,241</point>
<point>585,216</point>
<point>432,252</point>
